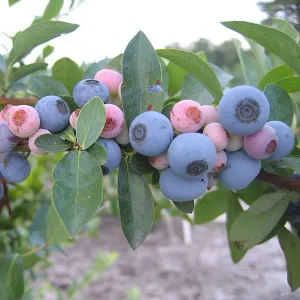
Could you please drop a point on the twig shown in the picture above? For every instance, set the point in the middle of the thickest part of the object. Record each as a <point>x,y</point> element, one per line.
<point>17,101</point>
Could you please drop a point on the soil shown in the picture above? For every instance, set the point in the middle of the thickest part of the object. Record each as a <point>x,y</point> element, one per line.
<point>164,267</point>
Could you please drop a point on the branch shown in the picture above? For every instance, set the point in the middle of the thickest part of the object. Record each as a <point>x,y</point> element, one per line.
<point>17,101</point>
<point>281,182</point>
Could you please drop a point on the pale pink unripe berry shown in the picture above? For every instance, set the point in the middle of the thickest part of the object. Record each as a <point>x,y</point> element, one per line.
<point>115,121</point>
<point>159,162</point>
<point>31,142</point>
<point>123,137</point>
<point>23,121</point>
<point>221,162</point>
<point>74,117</point>
<point>235,143</point>
<point>211,114</point>
<point>217,134</point>
<point>212,180</point>
<point>261,144</point>
<point>111,78</point>
<point>187,116</point>
<point>5,111</point>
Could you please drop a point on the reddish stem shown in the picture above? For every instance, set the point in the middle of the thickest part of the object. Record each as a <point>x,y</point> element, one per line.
<point>17,101</point>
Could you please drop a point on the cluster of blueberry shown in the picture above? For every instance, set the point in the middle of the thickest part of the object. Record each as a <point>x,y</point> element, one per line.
<point>225,143</point>
<point>194,146</point>
<point>51,114</point>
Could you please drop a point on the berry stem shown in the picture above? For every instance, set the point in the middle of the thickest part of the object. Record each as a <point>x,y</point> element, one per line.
<point>278,181</point>
<point>17,101</point>
<point>5,200</point>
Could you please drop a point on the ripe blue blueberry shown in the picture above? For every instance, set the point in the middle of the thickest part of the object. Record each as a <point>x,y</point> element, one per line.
<point>155,89</point>
<point>1,189</point>
<point>151,133</point>
<point>85,90</point>
<point>240,171</point>
<point>14,167</point>
<point>7,139</point>
<point>244,110</point>
<point>54,113</point>
<point>113,155</point>
<point>180,189</point>
<point>285,142</point>
<point>191,155</point>
<point>293,208</point>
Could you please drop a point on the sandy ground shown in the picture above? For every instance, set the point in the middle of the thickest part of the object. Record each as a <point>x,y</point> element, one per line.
<point>165,268</point>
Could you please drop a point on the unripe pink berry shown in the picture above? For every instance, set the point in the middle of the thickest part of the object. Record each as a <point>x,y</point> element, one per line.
<point>212,180</point>
<point>187,116</point>
<point>74,117</point>
<point>5,111</point>
<point>120,91</point>
<point>111,78</point>
<point>114,121</point>
<point>31,142</point>
<point>123,137</point>
<point>211,114</point>
<point>261,144</point>
<point>159,162</point>
<point>23,121</point>
<point>235,143</point>
<point>217,134</point>
<point>221,162</point>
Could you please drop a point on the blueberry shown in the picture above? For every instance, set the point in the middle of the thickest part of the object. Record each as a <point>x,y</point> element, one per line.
<point>180,189</point>
<point>113,155</point>
<point>191,155</point>
<point>155,89</point>
<point>14,167</point>
<point>240,171</point>
<point>7,139</point>
<point>244,110</point>
<point>293,208</point>
<point>285,140</point>
<point>1,189</point>
<point>151,133</point>
<point>54,113</point>
<point>85,90</point>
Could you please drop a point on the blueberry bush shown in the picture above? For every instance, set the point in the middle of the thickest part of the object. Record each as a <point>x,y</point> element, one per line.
<point>167,123</point>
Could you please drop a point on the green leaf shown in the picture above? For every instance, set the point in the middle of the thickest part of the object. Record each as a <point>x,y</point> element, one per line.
<point>38,233</point>
<point>290,84</point>
<point>44,86</point>
<point>29,261</point>
<point>11,277</point>
<point>78,189</point>
<point>287,28</point>
<point>52,143</point>
<point>275,41</point>
<point>155,177</point>
<point>52,9</point>
<point>67,71</point>
<point>71,102</point>
<point>2,64</point>
<point>290,246</point>
<point>25,70</point>
<point>254,191</point>
<point>176,78</point>
<point>274,75</point>
<point>186,207</point>
<point>210,206</point>
<point>90,123</point>
<point>193,89</point>
<point>167,109</point>
<point>99,153</point>
<point>56,230</point>
<point>281,106</point>
<point>12,2</point>
<point>17,86</point>
<point>95,67</point>
<point>140,164</point>
<point>254,224</point>
<point>47,51</point>
<point>116,63</point>
<point>67,134</point>
<point>136,205</point>
<point>36,35</point>
<point>195,66</point>
<point>249,72</point>
<point>164,74</point>
<point>141,70</point>
<point>234,208</point>
<point>292,162</point>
